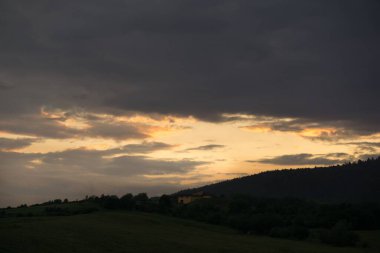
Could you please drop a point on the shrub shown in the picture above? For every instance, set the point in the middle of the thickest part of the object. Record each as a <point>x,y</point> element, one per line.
<point>292,232</point>
<point>339,235</point>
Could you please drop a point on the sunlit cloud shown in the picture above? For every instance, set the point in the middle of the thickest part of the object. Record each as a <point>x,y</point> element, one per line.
<point>319,131</point>
<point>308,159</point>
<point>58,129</point>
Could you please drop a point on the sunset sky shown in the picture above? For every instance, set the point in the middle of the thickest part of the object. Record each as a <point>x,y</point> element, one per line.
<point>156,96</point>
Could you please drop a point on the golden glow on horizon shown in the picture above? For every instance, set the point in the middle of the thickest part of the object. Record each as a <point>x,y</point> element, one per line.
<point>231,145</point>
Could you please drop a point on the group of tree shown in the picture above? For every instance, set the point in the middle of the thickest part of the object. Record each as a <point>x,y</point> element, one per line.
<point>276,217</point>
<point>283,215</point>
<point>286,218</point>
<point>351,182</point>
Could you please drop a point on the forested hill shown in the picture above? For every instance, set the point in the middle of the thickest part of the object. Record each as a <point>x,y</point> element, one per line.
<point>352,182</point>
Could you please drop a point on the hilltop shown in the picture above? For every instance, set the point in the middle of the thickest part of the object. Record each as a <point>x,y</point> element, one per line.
<point>351,182</point>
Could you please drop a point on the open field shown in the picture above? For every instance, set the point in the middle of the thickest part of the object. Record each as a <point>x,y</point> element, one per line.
<point>40,210</point>
<point>141,232</point>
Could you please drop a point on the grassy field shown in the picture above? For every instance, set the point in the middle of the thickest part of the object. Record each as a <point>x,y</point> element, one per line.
<point>141,232</point>
<point>40,210</point>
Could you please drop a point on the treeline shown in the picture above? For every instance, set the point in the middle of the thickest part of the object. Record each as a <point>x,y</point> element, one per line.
<point>283,218</point>
<point>350,182</point>
<point>58,207</point>
<point>286,218</point>
<point>138,202</point>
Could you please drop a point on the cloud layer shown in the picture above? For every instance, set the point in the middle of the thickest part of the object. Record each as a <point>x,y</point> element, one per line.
<point>75,173</point>
<point>125,71</point>
<point>10,144</point>
<point>308,159</point>
<point>315,61</point>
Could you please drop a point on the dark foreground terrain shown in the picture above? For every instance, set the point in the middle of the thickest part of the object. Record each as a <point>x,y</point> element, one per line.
<point>122,231</point>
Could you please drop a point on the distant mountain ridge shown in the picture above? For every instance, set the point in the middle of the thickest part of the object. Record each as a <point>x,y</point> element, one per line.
<point>351,182</point>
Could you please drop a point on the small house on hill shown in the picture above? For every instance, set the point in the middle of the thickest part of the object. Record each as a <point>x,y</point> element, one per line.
<point>188,198</point>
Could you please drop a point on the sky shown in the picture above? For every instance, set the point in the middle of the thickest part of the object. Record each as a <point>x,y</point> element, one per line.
<point>156,96</point>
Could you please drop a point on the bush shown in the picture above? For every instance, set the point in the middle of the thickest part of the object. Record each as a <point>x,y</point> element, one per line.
<point>127,202</point>
<point>263,223</point>
<point>292,232</point>
<point>56,211</point>
<point>165,204</point>
<point>258,223</point>
<point>110,202</point>
<point>339,235</point>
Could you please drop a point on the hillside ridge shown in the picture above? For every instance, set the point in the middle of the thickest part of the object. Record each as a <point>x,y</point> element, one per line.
<point>351,182</point>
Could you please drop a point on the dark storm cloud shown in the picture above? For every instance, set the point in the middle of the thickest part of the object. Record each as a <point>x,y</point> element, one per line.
<point>317,61</point>
<point>307,159</point>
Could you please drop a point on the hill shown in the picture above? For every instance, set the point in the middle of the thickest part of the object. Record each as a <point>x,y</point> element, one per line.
<point>352,182</point>
<point>120,231</point>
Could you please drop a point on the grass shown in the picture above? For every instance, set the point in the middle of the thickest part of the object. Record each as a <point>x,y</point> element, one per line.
<point>108,231</point>
<point>40,210</point>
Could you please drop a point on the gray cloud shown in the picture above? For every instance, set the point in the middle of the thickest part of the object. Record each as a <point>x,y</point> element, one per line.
<point>9,144</point>
<point>142,148</point>
<point>4,85</point>
<point>143,165</point>
<point>364,145</point>
<point>125,165</point>
<point>315,61</point>
<point>115,131</point>
<point>37,125</point>
<point>329,130</point>
<point>79,172</point>
<point>307,159</point>
<point>206,147</point>
<point>369,156</point>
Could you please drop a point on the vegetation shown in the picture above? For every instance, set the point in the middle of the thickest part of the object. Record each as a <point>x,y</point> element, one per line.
<point>286,218</point>
<point>281,218</point>
<point>128,231</point>
<point>351,182</point>
<point>345,224</point>
<point>51,209</point>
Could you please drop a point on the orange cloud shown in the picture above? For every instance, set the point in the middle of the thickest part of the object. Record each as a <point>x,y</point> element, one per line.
<point>316,132</point>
